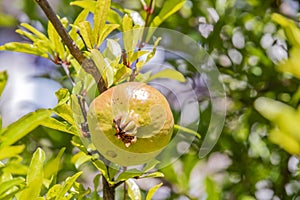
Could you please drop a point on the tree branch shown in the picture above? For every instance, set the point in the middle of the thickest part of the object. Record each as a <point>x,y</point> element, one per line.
<point>87,64</point>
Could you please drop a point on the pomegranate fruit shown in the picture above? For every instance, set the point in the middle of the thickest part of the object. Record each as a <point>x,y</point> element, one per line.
<point>130,123</point>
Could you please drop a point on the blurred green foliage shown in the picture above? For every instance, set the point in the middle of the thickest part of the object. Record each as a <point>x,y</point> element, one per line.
<point>256,52</point>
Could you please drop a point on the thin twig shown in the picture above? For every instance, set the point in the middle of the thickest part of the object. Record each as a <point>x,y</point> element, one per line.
<point>87,64</point>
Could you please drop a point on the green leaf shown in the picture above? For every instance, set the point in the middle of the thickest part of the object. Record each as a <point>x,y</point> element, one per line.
<point>150,165</point>
<point>22,127</point>
<point>103,66</point>
<point>56,43</point>
<point>63,96</point>
<point>3,80</point>
<point>187,130</point>
<point>88,5</point>
<point>99,164</point>
<point>131,173</point>
<point>86,32</point>
<point>113,50</point>
<point>212,190</point>
<point>169,8</point>
<point>108,28</point>
<point>291,29</point>
<point>100,16</point>
<point>11,151</point>
<point>128,34</point>
<point>33,30</point>
<point>168,73</point>
<point>153,175</point>
<point>53,192</point>
<point>133,190</point>
<point>67,186</point>
<point>80,18</point>
<point>10,186</point>
<point>23,48</point>
<point>51,168</point>
<point>35,176</point>
<point>152,191</point>
<point>65,112</point>
<point>60,126</point>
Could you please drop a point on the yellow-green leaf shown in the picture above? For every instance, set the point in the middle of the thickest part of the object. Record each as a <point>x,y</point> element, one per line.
<point>3,80</point>
<point>8,185</point>
<point>133,190</point>
<point>35,176</point>
<point>152,191</point>
<point>285,141</point>
<point>67,186</point>
<point>100,17</point>
<point>168,73</point>
<point>11,151</point>
<point>169,8</point>
<point>22,127</point>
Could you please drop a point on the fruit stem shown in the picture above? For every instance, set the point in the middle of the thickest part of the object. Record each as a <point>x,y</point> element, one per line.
<point>187,130</point>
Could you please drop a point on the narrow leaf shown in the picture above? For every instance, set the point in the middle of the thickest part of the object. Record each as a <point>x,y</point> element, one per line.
<point>133,190</point>
<point>23,48</point>
<point>168,73</point>
<point>100,16</point>
<point>11,151</point>
<point>3,80</point>
<point>152,191</point>
<point>88,5</point>
<point>86,32</point>
<point>60,126</point>
<point>169,8</point>
<point>55,41</point>
<point>35,176</point>
<point>23,126</point>
<point>52,167</point>
<point>131,173</point>
<point>67,186</point>
<point>6,186</point>
<point>187,130</point>
<point>34,31</point>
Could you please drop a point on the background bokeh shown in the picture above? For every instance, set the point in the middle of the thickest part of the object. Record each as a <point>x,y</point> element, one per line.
<point>246,46</point>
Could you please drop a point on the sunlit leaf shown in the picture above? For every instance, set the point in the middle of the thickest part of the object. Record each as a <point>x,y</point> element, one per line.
<point>150,165</point>
<point>86,32</point>
<point>168,73</point>
<point>187,130</point>
<point>152,191</point>
<point>212,190</point>
<point>51,167</point>
<point>63,96</point>
<point>100,15</point>
<point>169,8</point>
<point>133,190</point>
<point>291,29</point>
<point>67,186</point>
<point>285,141</point>
<point>131,173</point>
<point>153,175</point>
<point>23,126</point>
<point>23,48</point>
<point>10,186</point>
<point>11,151</point>
<point>35,176</point>
<point>89,5</point>
<point>60,126</point>
<point>56,42</point>
<point>3,80</point>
